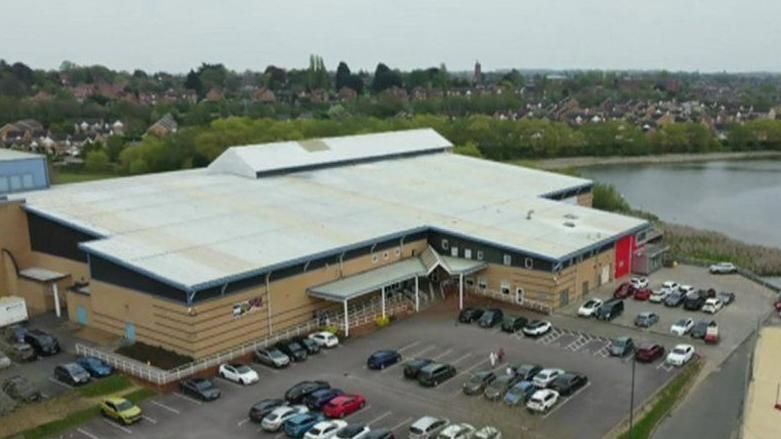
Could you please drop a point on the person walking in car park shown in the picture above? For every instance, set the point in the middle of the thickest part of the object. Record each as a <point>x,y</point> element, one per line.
<point>492,358</point>
<point>500,355</point>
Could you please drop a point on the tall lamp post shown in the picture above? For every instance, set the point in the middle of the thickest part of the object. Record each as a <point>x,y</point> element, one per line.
<point>632,400</point>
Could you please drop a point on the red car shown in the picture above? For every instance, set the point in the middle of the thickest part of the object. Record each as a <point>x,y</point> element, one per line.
<point>624,290</point>
<point>344,405</point>
<point>649,353</point>
<point>643,294</point>
<point>778,305</point>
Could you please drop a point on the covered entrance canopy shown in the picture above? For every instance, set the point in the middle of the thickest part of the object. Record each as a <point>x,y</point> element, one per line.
<point>360,284</point>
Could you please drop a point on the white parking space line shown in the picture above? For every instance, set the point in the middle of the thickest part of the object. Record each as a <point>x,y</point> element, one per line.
<point>60,383</point>
<point>461,358</point>
<point>87,433</point>
<point>443,354</point>
<point>401,424</point>
<point>379,418</point>
<point>422,351</point>
<point>561,404</point>
<point>165,407</point>
<point>242,422</point>
<point>279,435</point>
<point>149,419</point>
<point>118,427</point>
<point>186,398</point>
<point>416,354</point>
<point>411,345</point>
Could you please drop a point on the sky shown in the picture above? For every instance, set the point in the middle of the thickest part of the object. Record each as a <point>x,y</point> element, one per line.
<point>176,35</point>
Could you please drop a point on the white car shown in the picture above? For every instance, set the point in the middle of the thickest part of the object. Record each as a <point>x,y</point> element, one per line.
<point>457,431</point>
<point>536,328</point>
<point>723,268</point>
<point>546,376</point>
<point>239,373</point>
<point>487,432</point>
<point>274,420</point>
<point>680,355</point>
<point>686,289</point>
<point>682,327</point>
<point>325,339</point>
<point>325,429</point>
<point>427,427</point>
<point>589,308</point>
<point>542,400</point>
<point>639,282</point>
<point>712,305</point>
<point>659,295</point>
<point>4,360</point>
<point>670,285</point>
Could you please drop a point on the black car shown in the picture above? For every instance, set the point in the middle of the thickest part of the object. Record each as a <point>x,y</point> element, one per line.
<point>700,329</point>
<point>298,392</point>
<point>726,297</point>
<point>569,383</point>
<point>260,409</point>
<point>525,372</point>
<point>621,347</point>
<point>469,315</point>
<point>43,343</point>
<point>317,399</point>
<point>21,389</point>
<point>200,388</point>
<point>491,318</point>
<point>353,431</point>
<point>436,373</point>
<point>292,349</point>
<point>71,373</point>
<point>514,323</point>
<point>477,382</point>
<point>380,433</point>
<point>694,302</point>
<point>309,345</point>
<point>412,368</point>
<point>610,309</point>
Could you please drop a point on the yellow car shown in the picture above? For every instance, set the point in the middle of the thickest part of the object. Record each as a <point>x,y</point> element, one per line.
<point>120,410</point>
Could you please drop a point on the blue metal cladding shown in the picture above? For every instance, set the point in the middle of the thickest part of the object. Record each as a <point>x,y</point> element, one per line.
<point>23,175</point>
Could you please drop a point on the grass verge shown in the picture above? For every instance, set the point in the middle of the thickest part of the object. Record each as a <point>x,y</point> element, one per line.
<point>674,392</point>
<point>106,386</point>
<point>61,176</point>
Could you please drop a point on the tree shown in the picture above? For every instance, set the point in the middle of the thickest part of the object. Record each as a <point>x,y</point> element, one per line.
<point>317,75</point>
<point>97,161</point>
<point>385,78</point>
<point>193,82</point>
<point>342,75</point>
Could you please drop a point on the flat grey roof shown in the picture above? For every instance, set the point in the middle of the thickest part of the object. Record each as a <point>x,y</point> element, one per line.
<point>372,280</point>
<point>12,154</point>
<point>197,228</point>
<point>41,274</point>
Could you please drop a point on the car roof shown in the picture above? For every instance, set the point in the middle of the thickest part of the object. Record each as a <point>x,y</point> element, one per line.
<point>424,422</point>
<point>115,400</point>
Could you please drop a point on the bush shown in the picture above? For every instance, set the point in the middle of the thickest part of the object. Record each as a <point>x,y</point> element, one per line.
<point>606,197</point>
<point>382,321</point>
<point>154,355</point>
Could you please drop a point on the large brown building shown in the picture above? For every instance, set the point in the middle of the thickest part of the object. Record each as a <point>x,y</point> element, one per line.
<point>270,236</point>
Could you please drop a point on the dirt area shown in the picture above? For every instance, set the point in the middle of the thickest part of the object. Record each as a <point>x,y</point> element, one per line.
<point>582,162</point>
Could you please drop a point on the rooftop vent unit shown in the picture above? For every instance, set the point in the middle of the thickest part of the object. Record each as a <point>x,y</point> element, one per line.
<point>529,214</point>
<point>571,216</point>
<point>569,224</point>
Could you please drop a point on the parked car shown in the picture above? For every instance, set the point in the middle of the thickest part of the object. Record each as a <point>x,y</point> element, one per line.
<point>674,299</point>
<point>354,431</point>
<point>272,357</point>
<point>621,347</point>
<point>642,294</point>
<point>325,339</point>
<point>542,400</point>
<point>383,359</point>
<point>436,373</point>
<point>491,318</point>
<point>487,432</point>
<point>649,353</point>
<point>624,290</point>
<point>646,319</point>
<point>274,420</point>
<point>477,382</point>
<point>71,374</point>
<point>43,343</point>
<point>590,308</point>
<point>4,360</point>
<point>427,427</point>
<point>682,327</point>
<point>514,323</point>
<point>520,393</point>
<point>693,302</point>
<point>299,391</point>
<point>723,268</point>
<point>14,333</point>
<point>412,368</point>
<point>261,409</point>
<point>21,389</point>
<point>238,373</point>
<point>293,350</point>
<point>22,352</point>
<point>712,306</point>
<point>298,425</point>
<point>344,405</point>
<point>120,410</point>
<point>311,346</point>
<point>317,399</point>
<point>659,295</point>
<point>726,297</point>
<point>457,431</point>
<point>546,377</point>
<point>700,329</point>
<point>639,282</point>
<point>536,328</point>
<point>469,315</point>
<point>526,372</point>
<point>569,383</point>
<point>686,289</point>
<point>325,429</point>
<point>670,286</point>
<point>610,309</point>
<point>680,355</point>
<point>200,388</point>
<point>96,367</point>
<point>380,433</point>
<point>498,387</point>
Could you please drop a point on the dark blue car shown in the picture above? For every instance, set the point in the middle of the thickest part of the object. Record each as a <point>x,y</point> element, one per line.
<point>297,426</point>
<point>316,400</point>
<point>96,367</point>
<point>520,393</point>
<point>383,359</point>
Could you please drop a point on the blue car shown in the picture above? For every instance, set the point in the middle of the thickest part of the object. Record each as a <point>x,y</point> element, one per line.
<point>298,425</point>
<point>317,399</point>
<point>520,393</point>
<point>96,367</point>
<point>383,359</point>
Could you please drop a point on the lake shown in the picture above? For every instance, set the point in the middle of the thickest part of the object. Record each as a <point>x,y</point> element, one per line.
<point>741,199</point>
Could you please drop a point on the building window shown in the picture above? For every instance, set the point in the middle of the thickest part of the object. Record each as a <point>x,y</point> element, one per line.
<point>4,186</point>
<point>374,258</point>
<point>385,255</point>
<point>528,263</point>
<point>519,295</point>
<point>482,284</point>
<point>505,288</point>
<point>454,251</point>
<point>469,282</point>
<point>398,252</point>
<point>468,253</point>
<point>479,255</point>
<point>508,260</point>
<point>445,244</point>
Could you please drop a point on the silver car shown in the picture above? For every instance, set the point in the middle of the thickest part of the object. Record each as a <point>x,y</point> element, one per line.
<point>272,357</point>
<point>427,427</point>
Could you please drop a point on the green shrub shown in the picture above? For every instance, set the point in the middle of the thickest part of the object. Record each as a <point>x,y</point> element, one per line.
<point>382,321</point>
<point>106,386</point>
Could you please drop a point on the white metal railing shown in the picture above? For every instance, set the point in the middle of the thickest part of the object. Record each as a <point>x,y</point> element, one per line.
<point>511,298</point>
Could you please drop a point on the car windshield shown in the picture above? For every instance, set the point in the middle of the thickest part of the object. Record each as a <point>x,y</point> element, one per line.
<point>591,303</point>
<point>517,390</point>
<point>501,381</point>
<point>275,353</point>
<point>679,351</point>
<point>536,324</point>
<point>124,405</point>
<point>243,369</point>
<point>203,384</point>
<point>477,378</point>
<point>621,342</point>
<point>680,323</point>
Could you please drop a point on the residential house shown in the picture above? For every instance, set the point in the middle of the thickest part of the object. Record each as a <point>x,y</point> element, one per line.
<point>165,126</point>
<point>21,131</point>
